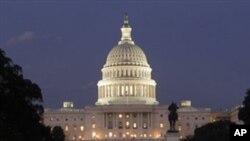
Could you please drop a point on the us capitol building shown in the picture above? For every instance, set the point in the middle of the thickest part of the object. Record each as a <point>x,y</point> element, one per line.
<point>126,107</point>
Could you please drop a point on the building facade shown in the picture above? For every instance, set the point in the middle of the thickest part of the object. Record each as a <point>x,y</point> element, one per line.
<point>126,107</point>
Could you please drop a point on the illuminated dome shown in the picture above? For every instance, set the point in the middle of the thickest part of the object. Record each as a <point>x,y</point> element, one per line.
<point>126,76</point>
<point>126,54</point>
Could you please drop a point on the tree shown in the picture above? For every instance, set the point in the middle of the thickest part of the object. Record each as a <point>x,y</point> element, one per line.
<point>58,134</point>
<point>244,112</point>
<point>20,105</point>
<point>216,131</point>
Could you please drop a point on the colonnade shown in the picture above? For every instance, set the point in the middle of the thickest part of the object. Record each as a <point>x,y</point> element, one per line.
<point>119,90</point>
<point>126,73</point>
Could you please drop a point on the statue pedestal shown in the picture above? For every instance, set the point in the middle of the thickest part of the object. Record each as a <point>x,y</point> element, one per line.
<point>173,136</point>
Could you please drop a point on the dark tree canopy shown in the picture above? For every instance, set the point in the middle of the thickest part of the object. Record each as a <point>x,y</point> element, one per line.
<point>244,112</point>
<point>20,105</point>
<point>58,134</point>
<point>216,131</point>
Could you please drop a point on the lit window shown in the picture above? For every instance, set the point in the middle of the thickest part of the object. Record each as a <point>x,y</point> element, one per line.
<point>144,125</point>
<point>51,119</point>
<point>127,115</point>
<point>120,115</point>
<point>179,128</point>
<point>144,135</point>
<point>81,128</point>
<point>161,125</point>
<point>66,128</point>
<point>134,125</point>
<point>93,125</point>
<point>93,134</point>
<point>127,123</point>
<point>110,134</point>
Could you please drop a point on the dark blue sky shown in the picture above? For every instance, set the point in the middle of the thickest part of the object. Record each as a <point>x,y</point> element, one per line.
<point>199,50</point>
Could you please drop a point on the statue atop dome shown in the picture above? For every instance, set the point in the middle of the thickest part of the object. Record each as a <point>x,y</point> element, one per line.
<point>126,31</point>
<point>125,23</point>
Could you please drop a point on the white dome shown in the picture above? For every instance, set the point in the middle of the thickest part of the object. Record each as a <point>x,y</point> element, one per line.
<point>126,76</point>
<point>126,54</point>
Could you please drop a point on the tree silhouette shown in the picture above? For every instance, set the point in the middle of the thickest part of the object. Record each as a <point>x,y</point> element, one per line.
<point>244,112</point>
<point>58,134</point>
<point>20,105</point>
<point>216,131</point>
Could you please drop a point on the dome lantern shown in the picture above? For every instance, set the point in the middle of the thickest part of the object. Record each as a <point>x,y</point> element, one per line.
<point>126,32</point>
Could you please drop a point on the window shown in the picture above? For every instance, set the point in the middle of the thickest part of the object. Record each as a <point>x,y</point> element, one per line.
<point>134,115</point>
<point>127,124</point>
<point>66,128</point>
<point>93,125</point>
<point>179,128</point>
<point>93,134</point>
<point>127,115</point>
<point>81,128</point>
<point>74,127</point>
<point>161,125</point>
<point>120,115</point>
<point>110,125</point>
<point>120,125</point>
<point>110,115</point>
<point>110,134</point>
<point>80,137</point>
<point>134,125</point>
<point>144,125</point>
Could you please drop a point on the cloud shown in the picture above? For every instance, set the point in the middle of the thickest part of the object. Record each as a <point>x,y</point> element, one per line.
<point>31,37</point>
<point>89,85</point>
<point>26,37</point>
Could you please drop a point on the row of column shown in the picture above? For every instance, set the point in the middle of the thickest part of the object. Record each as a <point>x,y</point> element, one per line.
<point>126,73</point>
<point>119,90</point>
<point>141,119</point>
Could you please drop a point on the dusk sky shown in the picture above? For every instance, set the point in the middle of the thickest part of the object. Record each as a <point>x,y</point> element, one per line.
<point>199,50</point>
